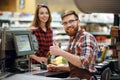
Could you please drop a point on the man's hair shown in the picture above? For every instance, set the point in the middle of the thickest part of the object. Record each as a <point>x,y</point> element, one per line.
<point>71,12</point>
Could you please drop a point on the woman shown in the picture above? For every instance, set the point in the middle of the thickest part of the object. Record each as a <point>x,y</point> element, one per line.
<point>42,30</point>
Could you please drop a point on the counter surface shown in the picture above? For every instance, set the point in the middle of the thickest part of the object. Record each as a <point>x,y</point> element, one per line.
<point>37,76</point>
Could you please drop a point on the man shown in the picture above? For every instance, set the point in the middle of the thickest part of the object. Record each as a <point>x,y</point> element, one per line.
<point>81,52</point>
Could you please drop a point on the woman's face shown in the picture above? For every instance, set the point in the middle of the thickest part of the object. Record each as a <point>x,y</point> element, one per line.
<point>43,15</point>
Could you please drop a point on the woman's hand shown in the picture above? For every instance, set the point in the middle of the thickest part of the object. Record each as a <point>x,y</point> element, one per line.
<point>39,59</point>
<point>42,60</point>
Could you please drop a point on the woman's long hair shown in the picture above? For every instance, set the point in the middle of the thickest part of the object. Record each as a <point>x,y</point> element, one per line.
<point>36,21</point>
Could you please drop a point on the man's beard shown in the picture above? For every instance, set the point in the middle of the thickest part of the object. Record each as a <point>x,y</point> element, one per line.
<point>73,32</point>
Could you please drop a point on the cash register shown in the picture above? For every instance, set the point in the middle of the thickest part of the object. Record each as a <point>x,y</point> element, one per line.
<point>18,45</point>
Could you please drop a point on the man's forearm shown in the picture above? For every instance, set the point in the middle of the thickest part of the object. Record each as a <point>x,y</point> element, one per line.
<point>73,59</point>
<point>63,68</point>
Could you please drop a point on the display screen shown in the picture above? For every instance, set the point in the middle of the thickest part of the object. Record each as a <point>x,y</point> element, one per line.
<point>23,43</point>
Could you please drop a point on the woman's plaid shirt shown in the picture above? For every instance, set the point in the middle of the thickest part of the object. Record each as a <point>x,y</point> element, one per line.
<point>45,40</point>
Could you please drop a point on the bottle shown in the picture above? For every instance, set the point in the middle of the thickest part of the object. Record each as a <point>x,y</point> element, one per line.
<point>50,59</point>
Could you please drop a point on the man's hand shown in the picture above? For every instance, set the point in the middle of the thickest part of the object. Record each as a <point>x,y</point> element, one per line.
<point>55,50</point>
<point>51,67</point>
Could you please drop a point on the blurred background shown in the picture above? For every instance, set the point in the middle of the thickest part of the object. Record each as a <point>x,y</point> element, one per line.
<point>18,15</point>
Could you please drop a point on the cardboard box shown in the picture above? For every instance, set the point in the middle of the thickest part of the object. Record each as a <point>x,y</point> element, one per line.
<point>115,31</point>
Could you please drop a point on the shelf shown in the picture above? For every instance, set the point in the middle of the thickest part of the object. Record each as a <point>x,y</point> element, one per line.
<point>104,43</point>
<point>21,21</point>
<point>57,32</point>
<point>28,19</point>
<point>20,25</point>
<point>56,25</point>
<point>96,23</point>
<point>100,33</point>
<point>61,37</point>
<point>56,17</point>
<point>4,18</point>
<point>106,18</point>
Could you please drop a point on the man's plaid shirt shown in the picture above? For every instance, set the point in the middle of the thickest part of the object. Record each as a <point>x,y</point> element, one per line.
<point>85,45</point>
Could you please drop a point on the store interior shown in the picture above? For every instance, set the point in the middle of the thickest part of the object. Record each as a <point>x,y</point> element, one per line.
<point>100,18</point>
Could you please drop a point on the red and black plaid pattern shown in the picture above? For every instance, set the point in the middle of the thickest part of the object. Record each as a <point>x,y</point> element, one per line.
<point>45,40</point>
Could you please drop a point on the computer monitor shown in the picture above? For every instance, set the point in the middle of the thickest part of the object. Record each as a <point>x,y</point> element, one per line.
<point>18,44</point>
<point>23,43</point>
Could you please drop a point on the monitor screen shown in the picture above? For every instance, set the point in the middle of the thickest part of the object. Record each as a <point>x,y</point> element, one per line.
<point>23,43</point>
<point>18,44</point>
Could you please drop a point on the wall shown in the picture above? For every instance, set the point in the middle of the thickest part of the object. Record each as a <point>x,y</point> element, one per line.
<point>59,5</point>
<point>30,5</point>
<point>8,5</point>
<point>14,6</point>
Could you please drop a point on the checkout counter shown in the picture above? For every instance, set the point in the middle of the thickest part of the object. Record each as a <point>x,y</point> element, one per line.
<point>38,74</point>
<point>14,59</point>
<point>43,74</point>
<point>34,77</point>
